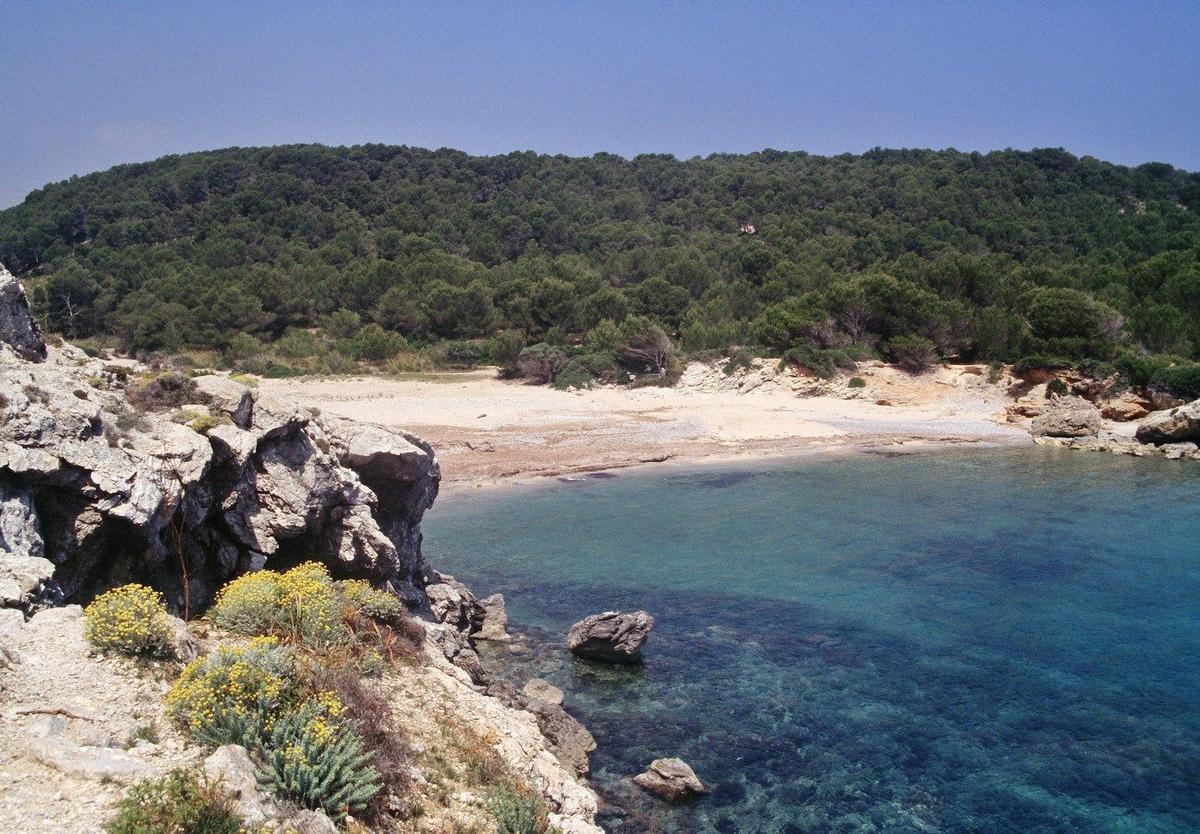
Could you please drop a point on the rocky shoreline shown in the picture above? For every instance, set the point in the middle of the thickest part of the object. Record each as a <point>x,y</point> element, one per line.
<point>109,476</point>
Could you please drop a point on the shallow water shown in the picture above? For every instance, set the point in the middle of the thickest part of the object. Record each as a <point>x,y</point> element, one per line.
<point>984,641</point>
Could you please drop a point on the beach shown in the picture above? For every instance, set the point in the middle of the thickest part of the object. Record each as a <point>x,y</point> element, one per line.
<point>489,431</point>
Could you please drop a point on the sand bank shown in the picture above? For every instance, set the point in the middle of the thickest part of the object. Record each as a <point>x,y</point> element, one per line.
<point>488,431</point>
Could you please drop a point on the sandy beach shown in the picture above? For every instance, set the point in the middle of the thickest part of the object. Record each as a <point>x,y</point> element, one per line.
<point>487,431</point>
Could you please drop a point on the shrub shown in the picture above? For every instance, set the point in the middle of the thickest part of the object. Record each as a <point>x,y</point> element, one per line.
<point>376,344</point>
<point>463,354</point>
<point>1056,388</point>
<point>315,758</point>
<point>518,811</point>
<point>131,619</point>
<point>234,695</point>
<point>1040,362</point>
<point>301,605</point>
<point>164,391</point>
<point>574,374</point>
<point>245,379</point>
<point>378,605</point>
<point>505,349</point>
<point>374,724</point>
<point>741,360</point>
<point>820,362</point>
<point>912,353</point>
<point>541,362</point>
<point>179,803</point>
<point>1181,381</point>
<point>995,372</point>
<point>857,382</point>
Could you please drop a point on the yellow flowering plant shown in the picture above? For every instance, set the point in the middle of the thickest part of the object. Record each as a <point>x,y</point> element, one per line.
<point>131,619</point>
<point>235,694</point>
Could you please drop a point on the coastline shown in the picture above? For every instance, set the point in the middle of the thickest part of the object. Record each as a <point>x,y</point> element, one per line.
<point>491,433</point>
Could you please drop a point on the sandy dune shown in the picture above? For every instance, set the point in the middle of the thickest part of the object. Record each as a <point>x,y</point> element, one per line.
<point>487,429</point>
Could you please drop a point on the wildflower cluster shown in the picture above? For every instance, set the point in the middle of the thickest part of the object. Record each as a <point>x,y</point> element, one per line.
<point>378,605</point>
<point>238,691</point>
<point>303,605</point>
<point>130,620</point>
<point>305,742</point>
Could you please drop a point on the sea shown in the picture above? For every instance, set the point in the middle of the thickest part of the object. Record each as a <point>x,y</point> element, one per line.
<point>983,640</point>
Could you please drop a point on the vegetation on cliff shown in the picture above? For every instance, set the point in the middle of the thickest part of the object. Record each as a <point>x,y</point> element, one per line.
<point>316,258</point>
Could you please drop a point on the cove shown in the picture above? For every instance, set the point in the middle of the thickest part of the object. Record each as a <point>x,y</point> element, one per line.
<point>960,641</point>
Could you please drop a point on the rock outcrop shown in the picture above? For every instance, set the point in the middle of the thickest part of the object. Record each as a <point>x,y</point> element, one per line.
<point>95,492</point>
<point>670,779</point>
<point>18,329</point>
<point>1067,417</point>
<point>611,636</point>
<point>1179,425</point>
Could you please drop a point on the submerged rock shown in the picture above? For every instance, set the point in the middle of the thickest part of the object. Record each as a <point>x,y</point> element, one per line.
<point>1174,426</point>
<point>670,779</point>
<point>543,691</point>
<point>611,636</point>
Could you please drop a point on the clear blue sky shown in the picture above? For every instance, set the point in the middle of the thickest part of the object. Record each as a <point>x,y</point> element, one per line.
<point>87,85</point>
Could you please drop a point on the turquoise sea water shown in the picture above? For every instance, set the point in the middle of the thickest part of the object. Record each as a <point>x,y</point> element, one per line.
<point>983,641</point>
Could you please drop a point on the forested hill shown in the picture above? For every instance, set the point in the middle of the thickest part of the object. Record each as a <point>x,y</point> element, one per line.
<point>978,255</point>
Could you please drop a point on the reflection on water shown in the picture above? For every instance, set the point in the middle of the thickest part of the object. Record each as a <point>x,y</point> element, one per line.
<point>990,641</point>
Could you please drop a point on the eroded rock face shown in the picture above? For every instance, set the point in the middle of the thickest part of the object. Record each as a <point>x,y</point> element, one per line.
<point>670,779</point>
<point>1178,425</point>
<point>1067,417</point>
<point>611,636</point>
<point>103,494</point>
<point>18,329</point>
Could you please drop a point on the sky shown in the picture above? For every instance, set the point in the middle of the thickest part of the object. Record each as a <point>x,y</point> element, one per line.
<point>84,86</point>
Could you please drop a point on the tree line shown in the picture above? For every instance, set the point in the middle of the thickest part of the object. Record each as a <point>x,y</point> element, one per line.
<point>319,258</point>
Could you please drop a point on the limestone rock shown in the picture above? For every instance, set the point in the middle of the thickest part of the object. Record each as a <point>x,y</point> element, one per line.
<point>183,645</point>
<point>1128,406</point>
<point>1067,417</point>
<point>495,619</point>
<point>86,762</point>
<point>670,779</point>
<point>18,329</point>
<point>1174,426</point>
<point>453,603</point>
<point>109,494</point>
<point>543,691</point>
<point>230,764</point>
<point>611,636</point>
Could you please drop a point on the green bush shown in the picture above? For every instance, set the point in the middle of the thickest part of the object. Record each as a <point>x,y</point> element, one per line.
<point>857,382</point>
<point>131,619</point>
<point>821,362</point>
<point>541,362</point>
<point>1181,381</point>
<point>164,391</point>
<point>576,373</point>
<point>519,811</point>
<point>179,803</point>
<point>318,761</point>
<point>912,353</point>
<point>462,354</point>
<point>742,359</point>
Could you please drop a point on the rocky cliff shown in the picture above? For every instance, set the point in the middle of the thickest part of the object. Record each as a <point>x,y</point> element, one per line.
<point>109,476</point>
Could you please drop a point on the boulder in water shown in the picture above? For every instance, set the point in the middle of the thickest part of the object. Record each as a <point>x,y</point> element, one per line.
<point>670,779</point>
<point>611,636</point>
